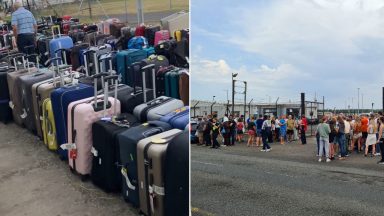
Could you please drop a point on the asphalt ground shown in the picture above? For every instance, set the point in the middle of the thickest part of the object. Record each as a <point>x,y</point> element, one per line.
<point>35,182</point>
<point>240,180</point>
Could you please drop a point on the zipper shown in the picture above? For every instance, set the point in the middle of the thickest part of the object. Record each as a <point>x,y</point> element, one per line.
<point>146,110</point>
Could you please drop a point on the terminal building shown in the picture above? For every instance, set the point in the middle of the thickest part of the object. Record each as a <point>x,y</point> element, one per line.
<point>202,108</point>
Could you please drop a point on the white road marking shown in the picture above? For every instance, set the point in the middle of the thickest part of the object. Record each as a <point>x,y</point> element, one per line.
<point>206,163</point>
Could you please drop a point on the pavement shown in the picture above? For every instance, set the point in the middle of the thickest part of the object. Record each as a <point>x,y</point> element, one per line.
<point>35,182</point>
<point>240,180</point>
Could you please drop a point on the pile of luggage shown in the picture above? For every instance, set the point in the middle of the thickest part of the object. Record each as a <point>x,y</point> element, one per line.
<point>119,117</point>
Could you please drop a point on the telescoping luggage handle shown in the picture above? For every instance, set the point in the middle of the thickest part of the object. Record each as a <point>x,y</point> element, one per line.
<point>108,57</point>
<point>59,70</point>
<point>17,56</point>
<point>63,53</point>
<point>146,69</point>
<point>53,30</point>
<point>116,78</point>
<point>95,77</point>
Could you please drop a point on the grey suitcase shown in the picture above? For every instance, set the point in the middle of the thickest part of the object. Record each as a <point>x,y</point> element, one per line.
<point>151,154</point>
<point>157,108</point>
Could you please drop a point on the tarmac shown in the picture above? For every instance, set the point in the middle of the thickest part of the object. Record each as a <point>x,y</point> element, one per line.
<point>35,182</point>
<point>240,180</point>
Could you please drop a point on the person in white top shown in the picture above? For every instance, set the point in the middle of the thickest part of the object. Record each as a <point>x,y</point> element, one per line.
<point>347,132</point>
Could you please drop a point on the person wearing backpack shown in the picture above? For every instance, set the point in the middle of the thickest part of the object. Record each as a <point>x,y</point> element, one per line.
<point>324,130</point>
<point>240,128</point>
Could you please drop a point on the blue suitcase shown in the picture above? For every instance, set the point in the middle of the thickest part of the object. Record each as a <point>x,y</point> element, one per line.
<point>150,51</point>
<point>177,119</point>
<point>124,59</point>
<point>61,98</point>
<point>59,42</point>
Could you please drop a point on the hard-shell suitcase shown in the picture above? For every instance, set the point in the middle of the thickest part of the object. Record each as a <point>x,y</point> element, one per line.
<point>115,29</point>
<point>161,36</point>
<point>81,115</point>
<point>48,126</point>
<point>106,173</point>
<point>159,62</point>
<point>127,142</point>
<point>179,22</point>
<point>151,153</point>
<point>5,111</point>
<point>164,21</point>
<point>75,54</point>
<point>184,86</point>
<point>61,98</point>
<point>178,118</point>
<point>172,84</point>
<point>107,25</point>
<point>176,176</point>
<point>40,92</point>
<point>27,82</point>
<point>124,59</point>
<point>150,32</point>
<point>4,69</point>
<point>15,93</point>
<point>59,42</point>
<point>157,108</point>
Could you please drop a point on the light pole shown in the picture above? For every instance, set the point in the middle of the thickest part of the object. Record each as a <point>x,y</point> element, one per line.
<point>249,107</point>
<point>233,92</point>
<point>276,106</point>
<point>213,103</point>
<point>358,101</point>
<point>372,107</point>
<point>245,99</point>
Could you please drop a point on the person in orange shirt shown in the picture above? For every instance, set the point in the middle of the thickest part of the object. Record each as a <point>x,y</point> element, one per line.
<point>356,134</point>
<point>364,128</point>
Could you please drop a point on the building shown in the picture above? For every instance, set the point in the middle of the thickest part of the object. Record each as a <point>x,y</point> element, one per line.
<point>201,108</point>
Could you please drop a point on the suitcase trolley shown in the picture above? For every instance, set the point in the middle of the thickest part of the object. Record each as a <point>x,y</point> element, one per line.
<point>81,115</point>
<point>127,142</point>
<point>151,153</point>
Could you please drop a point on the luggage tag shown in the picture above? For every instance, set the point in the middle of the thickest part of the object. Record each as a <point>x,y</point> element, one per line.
<point>94,152</point>
<point>11,105</point>
<point>73,153</point>
<point>24,115</point>
<point>68,146</point>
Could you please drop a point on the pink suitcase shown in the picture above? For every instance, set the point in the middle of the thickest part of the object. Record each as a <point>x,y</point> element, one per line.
<point>161,36</point>
<point>81,116</point>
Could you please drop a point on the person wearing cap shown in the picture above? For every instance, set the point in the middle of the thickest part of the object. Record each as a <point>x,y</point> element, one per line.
<point>24,27</point>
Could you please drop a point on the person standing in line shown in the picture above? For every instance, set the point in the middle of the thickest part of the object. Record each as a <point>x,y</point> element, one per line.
<point>371,137</point>
<point>356,135</point>
<point>340,130</point>
<point>251,132</point>
<point>266,130</point>
<point>377,120</point>
<point>277,129</point>
<point>200,130</point>
<point>273,128</point>
<point>380,139</point>
<point>290,128</point>
<point>233,128</point>
<point>303,129</point>
<point>347,133</point>
<point>259,125</point>
<point>283,130</point>
<point>324,130</point>
<point>240,128</point>
<point>332,135</point>
<point>296,129</point>
<point>215,133</point>
<point>364,130</point>
<point>207,133</point>
<point>225,132</point>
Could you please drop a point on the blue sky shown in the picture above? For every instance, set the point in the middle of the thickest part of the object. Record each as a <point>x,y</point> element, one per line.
<point>284,47</point>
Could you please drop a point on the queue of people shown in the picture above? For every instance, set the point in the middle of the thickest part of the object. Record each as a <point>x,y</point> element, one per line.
<point>342,135</point>
<point>261,131</point>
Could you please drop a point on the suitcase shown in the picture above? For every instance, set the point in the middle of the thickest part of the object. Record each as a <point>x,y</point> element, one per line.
<point>15,102</point>
<point>184,86</point>
<point>176,176</point>
<point>164,21</point>
<point>178,118</point>
<point>115,29</point>
<point>157,108</point>
<point>5,68</point>
<point>138,42</point>
<point>48,126</point>
<point>107,25</point>
<point>43,49</point>
<point>150,32</point>
<point>26,83</point>
<point>151,153</point>
<point>59,42</point>
<point>140,30</point>
<point>172,84</point>
<point>75,54</point>
<point>150,51</point>
<point>159,62</point>
<point>177,23</point>
<point>127,142</point>
<point>81,115</point>
<point>105,172</point>
<point>5,111</point>
<point>40,92</point>
<point>161,36</point>
<point>123,60</point>
<point>60,99</point>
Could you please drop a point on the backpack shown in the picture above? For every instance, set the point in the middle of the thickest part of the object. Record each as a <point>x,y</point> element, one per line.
<point>138,42</point>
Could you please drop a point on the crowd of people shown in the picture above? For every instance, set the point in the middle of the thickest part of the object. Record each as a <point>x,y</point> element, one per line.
<point>341,135</point>
<point>336,135</point>
<point>261,131</point>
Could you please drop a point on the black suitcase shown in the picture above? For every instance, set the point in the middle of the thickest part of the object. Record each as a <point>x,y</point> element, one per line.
<point>150,32</point>
<point>27,82</point>
<point>75,54</point>
<point>127,142</point>
<point>176,179</point>
<point>5,110</point>
<point>106,173</point>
